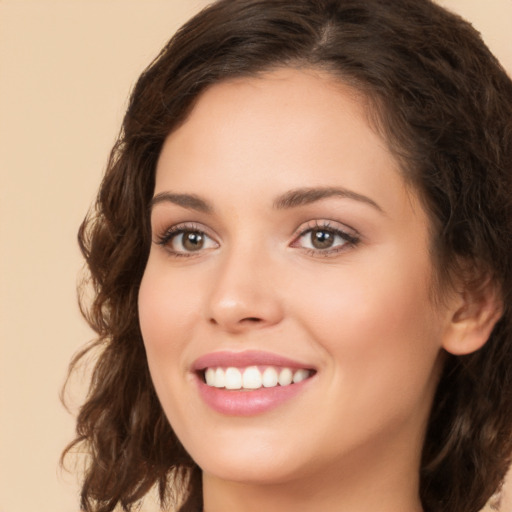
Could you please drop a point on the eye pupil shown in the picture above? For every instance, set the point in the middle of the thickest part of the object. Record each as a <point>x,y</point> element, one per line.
<point>321,239</point>
<point>193,240</point>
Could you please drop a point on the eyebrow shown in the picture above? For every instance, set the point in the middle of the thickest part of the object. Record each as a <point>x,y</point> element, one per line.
<point>290,199</point>
<point>189,201</point>
<point>304,196</point>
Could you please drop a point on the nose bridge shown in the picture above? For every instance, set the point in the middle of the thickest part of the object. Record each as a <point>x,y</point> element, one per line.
<point>244,294</point>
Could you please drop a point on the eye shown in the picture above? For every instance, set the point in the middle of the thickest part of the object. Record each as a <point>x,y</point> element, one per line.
<point>183,241</point>
<point>324,239</point>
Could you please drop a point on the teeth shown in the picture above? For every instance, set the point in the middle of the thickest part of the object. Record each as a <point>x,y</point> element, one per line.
<point>285,377</point>
<point>270,377</point>
<point>233,378</point>
<point>253,378</point>
<point>219,378</point>
<point>300,375</point>
<point>209,376</point>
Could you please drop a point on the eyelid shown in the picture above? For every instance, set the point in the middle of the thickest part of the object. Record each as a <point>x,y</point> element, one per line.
<point>348,234</point>
<point>164,236</point>
<point>327,224</point>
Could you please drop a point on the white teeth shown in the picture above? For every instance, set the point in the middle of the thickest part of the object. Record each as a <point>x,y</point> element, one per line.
<point>233,378</point>
<point>285,377</point>
<point>219,378</point>
<point>300,375</point>
<point>253,378</point>
<point>270,377</point>
<point>209,375</point>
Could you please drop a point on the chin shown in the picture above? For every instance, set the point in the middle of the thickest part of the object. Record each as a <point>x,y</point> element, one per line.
<point>248,462</point>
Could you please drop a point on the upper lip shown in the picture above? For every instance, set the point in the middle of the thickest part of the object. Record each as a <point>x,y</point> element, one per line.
<point>246,358</point>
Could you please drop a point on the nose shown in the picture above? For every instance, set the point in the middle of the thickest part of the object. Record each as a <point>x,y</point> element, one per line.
<point>244,295</point>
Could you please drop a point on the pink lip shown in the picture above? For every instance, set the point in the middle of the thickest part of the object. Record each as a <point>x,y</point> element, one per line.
<point>246,403</point>
<point>243,359</point>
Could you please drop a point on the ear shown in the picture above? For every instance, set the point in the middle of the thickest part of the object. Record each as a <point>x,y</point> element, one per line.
<point>473,314</point>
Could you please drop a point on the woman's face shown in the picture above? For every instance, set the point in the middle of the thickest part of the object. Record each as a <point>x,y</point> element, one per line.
<point>286,245</point>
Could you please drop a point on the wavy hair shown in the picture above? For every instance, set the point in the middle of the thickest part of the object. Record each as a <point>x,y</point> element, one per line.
<point>444,105</point>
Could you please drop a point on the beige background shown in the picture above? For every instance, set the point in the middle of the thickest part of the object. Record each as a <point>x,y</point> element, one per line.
<point>66,68</point>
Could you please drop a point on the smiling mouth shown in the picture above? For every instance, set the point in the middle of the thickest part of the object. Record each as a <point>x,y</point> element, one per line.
<point>253,377</point>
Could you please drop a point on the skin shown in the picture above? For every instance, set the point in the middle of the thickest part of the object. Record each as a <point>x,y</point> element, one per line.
<point>361,315</point>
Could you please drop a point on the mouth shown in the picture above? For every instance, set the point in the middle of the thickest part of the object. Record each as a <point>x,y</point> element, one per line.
<point>251,378</point>
<point>251,382</point>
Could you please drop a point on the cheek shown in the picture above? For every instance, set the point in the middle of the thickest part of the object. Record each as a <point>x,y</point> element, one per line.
<point>376,327</point>
<point>168,307</point>
<point>168,314</point>
<point>351,301</point>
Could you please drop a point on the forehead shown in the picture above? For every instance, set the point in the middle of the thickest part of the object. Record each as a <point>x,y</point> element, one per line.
<point>285,129</point>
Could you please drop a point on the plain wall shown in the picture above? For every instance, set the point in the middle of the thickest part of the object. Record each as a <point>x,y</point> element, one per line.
<point>66,68</point>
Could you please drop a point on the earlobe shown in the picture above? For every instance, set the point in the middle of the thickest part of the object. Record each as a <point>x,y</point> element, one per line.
<point>473,317</point>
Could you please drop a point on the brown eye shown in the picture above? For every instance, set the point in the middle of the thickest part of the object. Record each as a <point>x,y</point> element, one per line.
<point>192,240</point>
<point>325,240</point>
<point>184,242</point>
<point>322,238</point>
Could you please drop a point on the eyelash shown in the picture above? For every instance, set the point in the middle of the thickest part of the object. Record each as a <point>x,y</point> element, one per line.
<point>169,234</point>
<point>351,240</point>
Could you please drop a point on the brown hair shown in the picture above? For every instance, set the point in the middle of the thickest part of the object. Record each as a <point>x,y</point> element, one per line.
<point>443,103</point>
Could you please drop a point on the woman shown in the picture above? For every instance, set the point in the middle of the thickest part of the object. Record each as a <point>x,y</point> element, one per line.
<point>301,262</point>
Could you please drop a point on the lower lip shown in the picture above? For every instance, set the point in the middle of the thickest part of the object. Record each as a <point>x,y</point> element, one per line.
<point>248,403</point>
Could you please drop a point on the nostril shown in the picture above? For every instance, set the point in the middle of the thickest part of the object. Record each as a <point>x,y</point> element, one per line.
<point>251,319</point>
<point>237,324</point>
